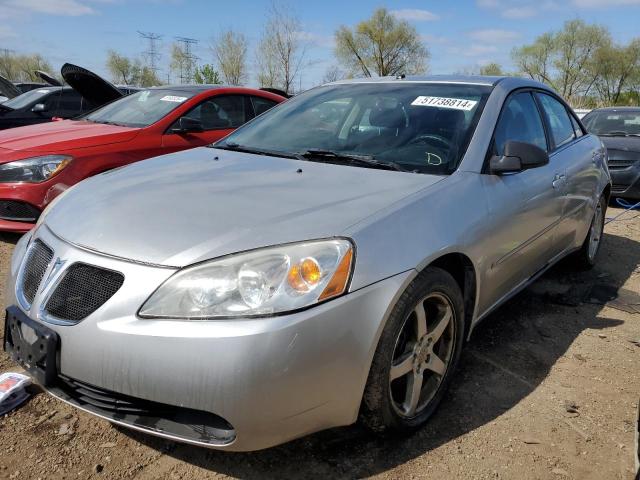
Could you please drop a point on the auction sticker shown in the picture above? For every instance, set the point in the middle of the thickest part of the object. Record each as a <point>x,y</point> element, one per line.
<point>443,102</point>
<point>172,98</point>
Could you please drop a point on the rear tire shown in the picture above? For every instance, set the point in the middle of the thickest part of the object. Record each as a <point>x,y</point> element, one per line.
<point>417,354</point>
<point>585,258</point>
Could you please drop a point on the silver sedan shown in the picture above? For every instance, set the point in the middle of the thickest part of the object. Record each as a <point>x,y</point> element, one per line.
<point>323,264</point>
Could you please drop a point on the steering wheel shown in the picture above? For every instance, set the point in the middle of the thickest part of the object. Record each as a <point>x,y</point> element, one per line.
<point>431,139</point>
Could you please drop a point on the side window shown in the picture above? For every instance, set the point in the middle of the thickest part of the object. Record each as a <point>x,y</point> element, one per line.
<point>225,111</point>
<point>51,102</point>
<point>69,104</point>
<point>261,105</point>
<point>519,121</point>
<point>576,126</point>
<point>558,119</point>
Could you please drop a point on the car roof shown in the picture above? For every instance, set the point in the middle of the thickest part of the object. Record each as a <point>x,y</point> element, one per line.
<point>616,109</point>
<point>199,88</point>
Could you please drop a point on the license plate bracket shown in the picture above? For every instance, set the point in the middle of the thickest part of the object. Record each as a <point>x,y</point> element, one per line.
<point>32,345</point>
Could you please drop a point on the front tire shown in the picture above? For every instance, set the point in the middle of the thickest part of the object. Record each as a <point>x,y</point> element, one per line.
<point>417,354</point>
<point>585,258</point>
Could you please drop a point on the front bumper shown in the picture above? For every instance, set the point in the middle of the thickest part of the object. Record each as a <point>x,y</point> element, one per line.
<point>271,379</point>
<point>626,181</point>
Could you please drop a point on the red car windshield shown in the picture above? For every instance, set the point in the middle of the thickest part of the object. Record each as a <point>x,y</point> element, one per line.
<point>140,109</point>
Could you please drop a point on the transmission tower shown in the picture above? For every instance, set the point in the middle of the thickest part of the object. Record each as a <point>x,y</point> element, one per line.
<point>152,54</point>
<point>186,66</point>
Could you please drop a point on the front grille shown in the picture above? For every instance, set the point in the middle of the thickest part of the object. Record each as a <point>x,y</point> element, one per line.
<point>18,211</point>
<point>620,163</point>
<point>35,265</point>
<point>82,290</point>
<point>185,423</point>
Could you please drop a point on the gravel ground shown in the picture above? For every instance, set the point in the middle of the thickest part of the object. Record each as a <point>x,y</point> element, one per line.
<point>547,389</point>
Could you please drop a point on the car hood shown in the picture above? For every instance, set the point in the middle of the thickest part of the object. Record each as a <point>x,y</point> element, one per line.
<point>625,144</point>
<point>92,87</point>
<point>179,209</point>
<point>8,89</point>
<point>48,78</point>
<point>64,135</point>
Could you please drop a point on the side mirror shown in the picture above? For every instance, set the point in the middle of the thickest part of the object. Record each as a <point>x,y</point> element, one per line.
<point>518,156</point>
<point>186,125</point>
<point>39,107</point>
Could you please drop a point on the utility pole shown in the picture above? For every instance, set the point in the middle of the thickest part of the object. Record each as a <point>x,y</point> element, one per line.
<point>152,54</point>
<point>189,59</point>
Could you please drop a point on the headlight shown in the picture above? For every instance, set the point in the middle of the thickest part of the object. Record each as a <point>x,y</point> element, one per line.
<point>261,282</point>
<point>33,170</point>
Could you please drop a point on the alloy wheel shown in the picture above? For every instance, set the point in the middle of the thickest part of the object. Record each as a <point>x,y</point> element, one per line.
<point>422,354</point>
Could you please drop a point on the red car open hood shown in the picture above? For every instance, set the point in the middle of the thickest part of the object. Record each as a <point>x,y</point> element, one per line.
<point>64,135</point>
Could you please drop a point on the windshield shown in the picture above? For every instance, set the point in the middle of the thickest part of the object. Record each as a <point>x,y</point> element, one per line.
<point>419,127</point>
<point>613,123</point>
<point>140,109</point>
<point>27,98</point>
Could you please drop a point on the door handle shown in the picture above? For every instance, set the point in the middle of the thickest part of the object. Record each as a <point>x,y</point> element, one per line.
<point>558,181</point>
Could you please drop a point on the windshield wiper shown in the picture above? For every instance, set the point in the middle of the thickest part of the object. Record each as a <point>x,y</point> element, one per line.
<point>236,147</point>
<point>330,156</point>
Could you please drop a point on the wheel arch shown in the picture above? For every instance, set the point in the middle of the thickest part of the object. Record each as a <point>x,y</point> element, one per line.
<point>462,269</point>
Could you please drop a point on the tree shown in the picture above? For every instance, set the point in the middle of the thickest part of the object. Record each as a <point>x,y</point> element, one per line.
<point>565,59</point>
<point>129,71</point>
<point>206,74</point>
<point>120,67</point>
<point>230,52</point>
<point>383,45</point>
<point>21,68</point>
<point>618,67</point>
<point>493,69</point>
<point>281,49</point>
<point>182,63</point>
<point>333,74</point>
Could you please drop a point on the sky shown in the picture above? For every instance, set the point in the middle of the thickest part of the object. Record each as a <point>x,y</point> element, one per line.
<point>460,35</point>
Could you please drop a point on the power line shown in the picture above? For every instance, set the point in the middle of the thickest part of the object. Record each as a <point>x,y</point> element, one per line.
<point>189,59</point>
<point>152,53</point>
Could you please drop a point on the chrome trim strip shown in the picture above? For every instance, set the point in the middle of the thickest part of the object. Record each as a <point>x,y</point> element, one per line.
<point>108,255</point>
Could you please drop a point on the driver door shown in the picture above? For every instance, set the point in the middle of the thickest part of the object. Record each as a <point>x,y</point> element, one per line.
<point>218,117</point>
<point>525,206</point>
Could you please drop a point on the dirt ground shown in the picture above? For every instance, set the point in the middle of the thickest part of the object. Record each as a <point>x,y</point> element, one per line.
<point>548,389</point>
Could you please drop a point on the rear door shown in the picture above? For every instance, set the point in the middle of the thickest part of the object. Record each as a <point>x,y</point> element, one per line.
<point>219,116</point>
<point>576,159</point>
<point>526,206</point>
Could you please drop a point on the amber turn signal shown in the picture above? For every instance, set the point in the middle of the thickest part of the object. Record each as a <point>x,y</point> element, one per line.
<point>338,283</point>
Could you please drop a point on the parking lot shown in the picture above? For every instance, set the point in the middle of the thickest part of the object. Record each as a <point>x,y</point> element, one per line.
<point>548,388</point>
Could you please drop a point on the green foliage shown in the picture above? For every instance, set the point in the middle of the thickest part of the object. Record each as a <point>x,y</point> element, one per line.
<point>382,45</point>
<point>21,68</point>
<point>206,74</point>
<point>128,71</point>
<point>492,69</point>
<point>582,63</point>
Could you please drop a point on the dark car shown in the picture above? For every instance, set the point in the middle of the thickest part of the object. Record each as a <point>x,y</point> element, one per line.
<point>619,130</point>
<point>87,91</point>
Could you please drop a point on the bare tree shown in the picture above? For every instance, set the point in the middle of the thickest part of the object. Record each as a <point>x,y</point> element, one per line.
<point>382,45</point>
<point>230,51</point>
<point>333,74</point>
<point>281,50</point>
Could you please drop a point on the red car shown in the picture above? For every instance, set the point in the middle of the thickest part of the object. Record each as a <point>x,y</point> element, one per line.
<point>39,162</point>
